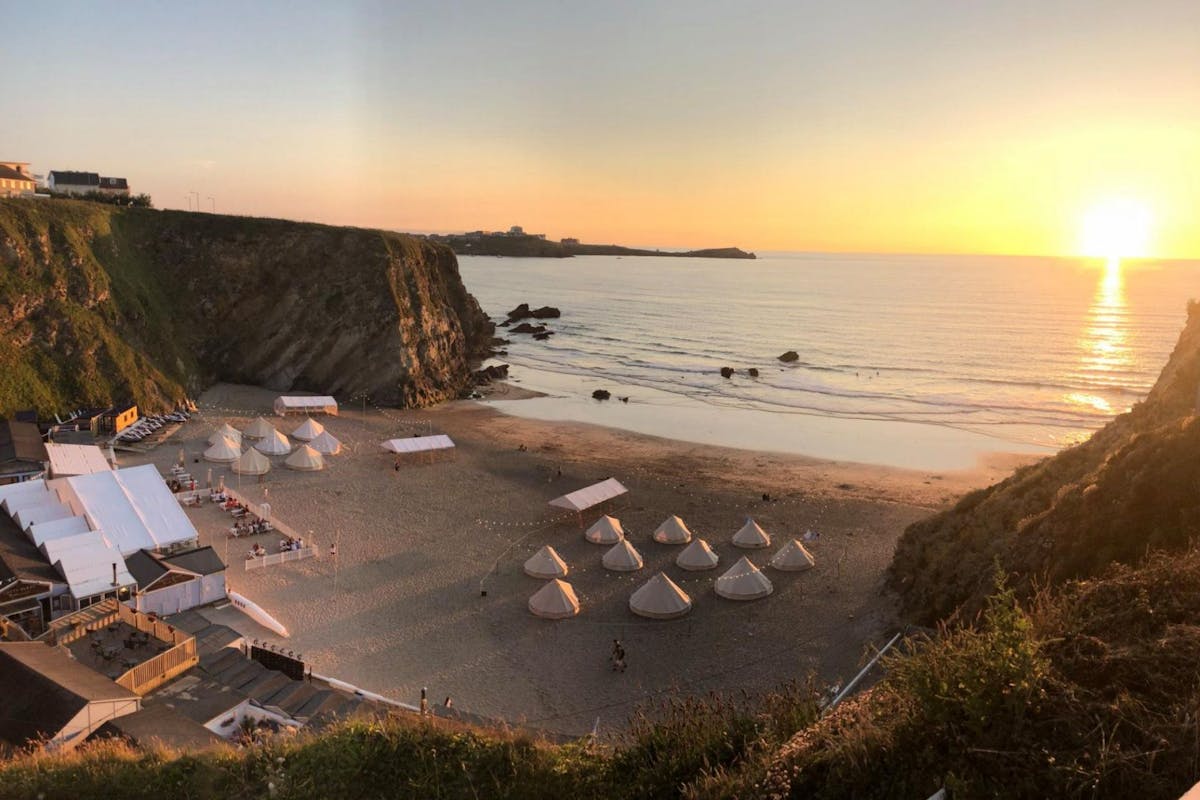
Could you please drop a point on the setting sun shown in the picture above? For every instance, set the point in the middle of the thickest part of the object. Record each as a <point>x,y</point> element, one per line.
<point>1116,228</point>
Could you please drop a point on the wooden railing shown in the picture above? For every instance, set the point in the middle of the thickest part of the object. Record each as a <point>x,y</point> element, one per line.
<point>12,632</point>
<point>78,624</point>
<point>150,674</point>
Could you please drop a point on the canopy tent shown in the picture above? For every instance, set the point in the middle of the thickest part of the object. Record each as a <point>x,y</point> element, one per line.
<point>696,557</point>
<point>326,444</point>
<point>308,430</point>
<point>259,429</point>
<point>252,462</point>
<point>672,531</point>
<point>660,598</point>
<point>75,459</point>
<point>418,444</point>
<point>226,431</point>
<point>606,530</point>
<point>41,532</point>
<point>622,557</point>
<point>555,600</point>
<point>585,498</point>
<point>743,581</point>
<point>546,563</point>
<point>225,451</point>
<point>274,444</point>
<point>751,537</point>
<point>792,557</point>
<point>133,506</point>
<point>315,404</point>
<point>305,459</point>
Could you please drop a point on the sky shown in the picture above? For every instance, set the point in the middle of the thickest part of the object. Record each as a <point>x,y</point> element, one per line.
<point>880,125</point>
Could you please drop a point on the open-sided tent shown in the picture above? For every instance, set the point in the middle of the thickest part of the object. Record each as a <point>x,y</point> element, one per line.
<point>305,459</point>
<point>672,531</point>
<point>622,557</point>
<point>743,581</point>
<point>252,462</point>
<point>751,536</point>
<point>660,598</point>
<point>428,446</point>
<point>275,444</point>
<point>225,451</point>
<point>259,429</point>
<point>308,430</point>
<point>792,557</point>
<point>226,431</point>
<point>696,557</point>
<point>555,600</point>
<point>326,444</point>
<point>546,563</point>
<point>606,530</point>
<point>583,499</point>
<point>75,459</point>
<point>305,404</point>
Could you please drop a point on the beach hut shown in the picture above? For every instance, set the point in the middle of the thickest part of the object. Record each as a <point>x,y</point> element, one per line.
<point>606,530</point>
<point>555,600</point>
<point>744,581</point>
<point>259,429</point>
<point>308,431</point>
<point>696,557</point>
<point>622,557</point>
<point>326,444</point>
<point>305,459</point>
<point>226,431</point>
<point>672,531</point>
<point>660,598</point>
<point>545,563</point>
<point>751,537</point>
<point>224,451</point>
<point>252,462</point>
<point>273,444</point>
<point>792,557</point>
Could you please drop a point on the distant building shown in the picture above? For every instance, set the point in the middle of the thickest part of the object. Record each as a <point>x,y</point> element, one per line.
<point>114,185</point>
<point>569,241</point>
<point>15,179</point>
<point>118,418</point>
<point>69,182</point>
<point>516,230</point>
<point>22,452</point>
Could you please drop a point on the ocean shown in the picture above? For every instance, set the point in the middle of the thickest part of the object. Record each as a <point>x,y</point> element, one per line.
<point>914,361</point>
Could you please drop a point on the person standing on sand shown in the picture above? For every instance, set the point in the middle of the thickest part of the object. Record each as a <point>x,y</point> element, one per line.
<point>618,656</point>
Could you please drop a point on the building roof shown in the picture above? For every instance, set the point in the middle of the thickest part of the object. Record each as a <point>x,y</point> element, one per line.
<point>161,724</point>
<point>21,441</point>
<point>54,688</point>
<point>202,561</point>
<point>144,568</point>
<point>113,183</point>
<point>197,698</point>
<point>20,556</point>
<point>71,178</point>
<point>8,173</point>
<point>75,459</point>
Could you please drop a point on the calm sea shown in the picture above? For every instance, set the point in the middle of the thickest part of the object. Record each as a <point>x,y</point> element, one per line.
<point>1021,354</point>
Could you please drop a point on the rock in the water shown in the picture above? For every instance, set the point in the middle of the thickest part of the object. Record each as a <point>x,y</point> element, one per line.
<point>789,357</point>
<point>726,372</point>
<point>623,399</point>
<point>496,372</point>
<point>752,372</point>
<point>545,312</point>
<point>601,394</point>
<point>525,327</point>
<point>543,336</point>
<point>519,313</point>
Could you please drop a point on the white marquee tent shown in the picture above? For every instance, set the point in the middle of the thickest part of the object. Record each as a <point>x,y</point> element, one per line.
<point>42,532</point>
<point>751,537</point>
<point>792,557</point>
<point>315,404</point>
<point>36,495</point>
<point>660,598</point>
<point>87,565</point>
<point>48,511</point>
<point>326,444</point>
<point>225,451</point>
<point>555,600</point>
<point>418,444</point>
<point>305,459</point>
<point>606,530</point>
<point>697,556</point>
<point>75,459</point>
<point>308,430</point>
<point>743,581</point>
<point>672,531</point>
<point>273,444</point>
<point>622,557</point>
<point>259,429</point>
<point>546,563</point>
<point>16,490</point>
<point>226,431</point>
<point>252,462</point>
<point>589,496</point>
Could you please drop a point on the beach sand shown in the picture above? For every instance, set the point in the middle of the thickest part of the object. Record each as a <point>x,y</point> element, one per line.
<point>418,546</point>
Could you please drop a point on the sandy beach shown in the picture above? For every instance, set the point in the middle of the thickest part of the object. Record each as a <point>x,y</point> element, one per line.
<point>419,545</point>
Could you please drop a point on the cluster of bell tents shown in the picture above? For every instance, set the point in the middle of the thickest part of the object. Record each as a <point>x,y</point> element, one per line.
<point>225,447</point>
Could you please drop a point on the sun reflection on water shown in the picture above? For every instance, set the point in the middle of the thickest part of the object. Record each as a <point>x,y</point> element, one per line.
<point>1104,341</point>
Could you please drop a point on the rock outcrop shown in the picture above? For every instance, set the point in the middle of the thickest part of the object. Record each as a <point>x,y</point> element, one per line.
<point>789,357</point>
<point>99,304</point>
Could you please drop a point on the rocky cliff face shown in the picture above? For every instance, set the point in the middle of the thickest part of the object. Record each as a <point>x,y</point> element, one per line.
<point>99,303</point>
<point>1134,487</point>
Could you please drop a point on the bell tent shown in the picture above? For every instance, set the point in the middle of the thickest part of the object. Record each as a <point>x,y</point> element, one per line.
<point>751,536</point>
<point>555,600</point>
<point>606,530</point>
<point>546,563</point>
<point>672,531</point>
<point>660,598</point>
<point>696,557</point>
<point>743,581</point>
<point>622,557</point>
<point>305,459</point>
<point>792,557</point>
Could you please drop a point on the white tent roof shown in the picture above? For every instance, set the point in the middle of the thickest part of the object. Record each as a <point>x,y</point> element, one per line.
<point>225,451</point>
<point>660,598</point>
<point>672,531</point>
<point>326,444</point>
<point>308,430</point>
<point>274,444</point>
<point>47,511</point>
<point>546,563</point>
<point>622,557</point>
<point>306,459</point>
<point>15,502</point>
<point>792,557</point>
<point>132,506</point>
<point>259,429</point>
<point>697,556</point>
<point>744,581</point>
<point>87,567</point>
<point>606,530</point>
<point>75,459</point>
<point>590,495</point>
<point>252,462</point>
<point>41,532</point>
<point>751,537</point>
<point>555,600</point>
<point>226,431</point>
<point>15,490</point>
<point>286,403</point>
<point>418,444</point>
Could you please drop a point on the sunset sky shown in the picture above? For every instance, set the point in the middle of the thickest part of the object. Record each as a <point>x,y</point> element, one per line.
<point>890,126</point>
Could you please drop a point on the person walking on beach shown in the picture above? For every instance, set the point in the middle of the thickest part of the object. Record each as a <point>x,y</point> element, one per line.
<point>618,656</point>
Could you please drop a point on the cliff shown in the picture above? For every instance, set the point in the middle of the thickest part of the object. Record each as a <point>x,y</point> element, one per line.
<point>525,246</point>
<point>1132,488</point>
<point>99,304</point>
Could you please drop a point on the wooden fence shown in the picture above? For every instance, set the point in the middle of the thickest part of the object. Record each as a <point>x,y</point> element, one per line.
<point>150,674</point>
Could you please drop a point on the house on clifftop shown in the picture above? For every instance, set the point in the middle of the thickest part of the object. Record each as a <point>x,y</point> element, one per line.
<point>15,179</point>
<point>70,182</point>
